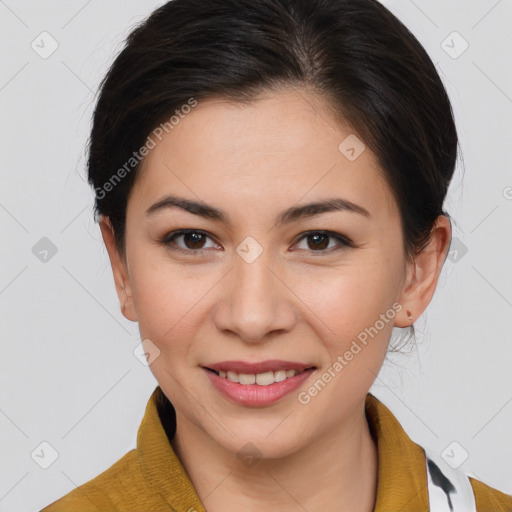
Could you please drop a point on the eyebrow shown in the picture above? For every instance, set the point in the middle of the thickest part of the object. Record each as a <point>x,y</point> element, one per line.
<point>287,216</point>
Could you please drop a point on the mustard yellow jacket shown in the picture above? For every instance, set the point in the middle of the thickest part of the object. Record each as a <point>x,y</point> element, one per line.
<point>150,478</point>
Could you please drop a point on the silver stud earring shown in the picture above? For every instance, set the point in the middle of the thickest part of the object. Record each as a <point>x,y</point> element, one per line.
<point>409,315</point>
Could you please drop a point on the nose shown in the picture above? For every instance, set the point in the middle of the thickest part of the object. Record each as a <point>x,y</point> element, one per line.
<point>256,303</point>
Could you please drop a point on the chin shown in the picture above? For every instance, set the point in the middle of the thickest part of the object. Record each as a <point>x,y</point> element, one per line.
<point>260,440</point>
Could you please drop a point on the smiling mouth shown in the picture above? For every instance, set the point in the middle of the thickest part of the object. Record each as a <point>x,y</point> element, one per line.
<point>262,379</point>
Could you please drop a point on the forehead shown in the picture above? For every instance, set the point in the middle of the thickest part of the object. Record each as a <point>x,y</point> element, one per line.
<point>284,147</point>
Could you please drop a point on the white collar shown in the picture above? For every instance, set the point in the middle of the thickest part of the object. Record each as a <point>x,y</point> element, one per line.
<point>449,490</point>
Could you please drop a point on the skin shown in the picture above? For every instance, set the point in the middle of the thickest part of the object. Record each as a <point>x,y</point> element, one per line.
<point>306,305</point>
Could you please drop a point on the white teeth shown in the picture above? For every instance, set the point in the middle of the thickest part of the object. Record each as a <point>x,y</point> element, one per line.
<point>280,375</point>
<point>262,379</point>
<point>244,378</point>
<point>233,377</point>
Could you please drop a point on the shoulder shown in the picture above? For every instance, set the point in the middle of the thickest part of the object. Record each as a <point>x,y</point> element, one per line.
<point>120,487</point>
<point>149,477</point>
<point>489,499</point>
<point>425,478</point>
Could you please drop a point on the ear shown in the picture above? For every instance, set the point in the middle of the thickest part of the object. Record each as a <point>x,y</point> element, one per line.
<point>119,270</point>
<point>423,274</point>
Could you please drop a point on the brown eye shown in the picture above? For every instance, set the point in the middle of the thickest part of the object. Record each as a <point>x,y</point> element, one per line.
<point>319,241</point>
<point>193,241</point>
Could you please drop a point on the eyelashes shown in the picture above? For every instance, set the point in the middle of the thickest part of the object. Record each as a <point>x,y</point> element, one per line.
<point>169,240</point>
<point>197,236</point>
<point>343,241</point>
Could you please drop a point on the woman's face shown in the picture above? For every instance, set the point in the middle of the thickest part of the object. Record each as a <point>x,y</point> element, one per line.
<point>251,286</point>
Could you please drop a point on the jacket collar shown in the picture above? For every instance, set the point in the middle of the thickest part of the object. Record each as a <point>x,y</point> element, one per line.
<point>162,469</point>
<point>402,474</point>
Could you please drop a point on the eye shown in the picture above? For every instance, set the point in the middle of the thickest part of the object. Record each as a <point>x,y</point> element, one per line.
<point>193,239</point>
<point>320,241</point>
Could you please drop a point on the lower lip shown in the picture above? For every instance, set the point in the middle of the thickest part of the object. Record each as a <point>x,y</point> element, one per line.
<point>253,394</point>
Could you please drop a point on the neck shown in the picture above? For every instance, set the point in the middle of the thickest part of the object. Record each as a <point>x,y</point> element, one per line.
<point>337,472</point>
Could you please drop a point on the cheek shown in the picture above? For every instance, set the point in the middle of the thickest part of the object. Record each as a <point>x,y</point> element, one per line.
<point>347,301</point>
<point>357,317</point>
<point>164,299</point>
<point>356,310</point>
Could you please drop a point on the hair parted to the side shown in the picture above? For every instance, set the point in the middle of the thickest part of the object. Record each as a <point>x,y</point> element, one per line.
<point>376,75</point>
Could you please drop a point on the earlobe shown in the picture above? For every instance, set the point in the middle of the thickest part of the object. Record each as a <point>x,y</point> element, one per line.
<point>119,271</point>
<point>424,274</point>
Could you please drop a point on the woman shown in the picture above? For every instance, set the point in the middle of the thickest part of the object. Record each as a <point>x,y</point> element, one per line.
<point>270,178</point>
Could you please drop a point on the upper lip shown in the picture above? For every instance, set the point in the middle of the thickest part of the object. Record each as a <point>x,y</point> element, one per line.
<point>271,365</point>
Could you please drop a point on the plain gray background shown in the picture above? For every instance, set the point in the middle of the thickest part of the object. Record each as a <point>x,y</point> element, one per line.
<point>68,373</point>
